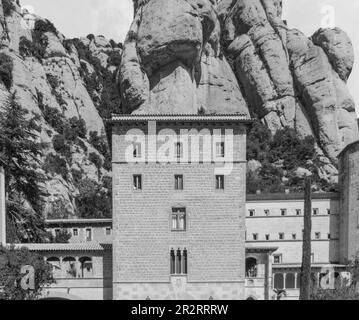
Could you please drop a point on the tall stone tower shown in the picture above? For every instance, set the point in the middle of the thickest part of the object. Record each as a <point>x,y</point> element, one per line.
<point>179,207</point>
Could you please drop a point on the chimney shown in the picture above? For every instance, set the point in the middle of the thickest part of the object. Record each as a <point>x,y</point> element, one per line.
<point>2,208</point>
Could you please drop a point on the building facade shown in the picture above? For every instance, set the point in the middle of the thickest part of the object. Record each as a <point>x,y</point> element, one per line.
<point>277,220</point>
<point>179,223</point>
<point>349,202</point>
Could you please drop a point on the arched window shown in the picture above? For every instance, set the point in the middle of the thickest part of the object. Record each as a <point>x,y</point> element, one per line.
<point>251,268</point>
<point>56,266</point>
<point>278,281</point>
<point>69,267</point>
<point>185,266</point>
<point>173,262</point>
<point>179,262</point>
<point>290,281</point>
<point>86,267</point>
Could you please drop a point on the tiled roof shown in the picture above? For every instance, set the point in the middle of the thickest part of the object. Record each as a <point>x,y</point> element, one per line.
<point>66,247</point>
<point>78,221</point>
<point>290,196</point>
<point>254,248</point>
<point>181,117</point>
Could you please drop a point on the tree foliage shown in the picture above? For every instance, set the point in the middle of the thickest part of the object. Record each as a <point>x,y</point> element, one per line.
<point>8,7</point>
<point>6,68</point>
<point>94,200</point>
<point>20,154</point>
<point>346,288</point>
<point>11,262</point>
<point>280,155</point>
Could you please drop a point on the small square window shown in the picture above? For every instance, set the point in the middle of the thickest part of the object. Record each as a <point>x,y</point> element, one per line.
<point>220,149</point>
<point>281,236</point>
<point>137,150</point>
<point>178,182</point>
<point>315,212</point>
<point>298,212</point>
<point>252,213</point>
<point>317,236</point>
<point>137,182</point>
<point>277,258</point>
<point>294,236</point>
<point>255,236</point>
<point>267,237</point>
<point>283,212</point>
<point>220,182</point>
<point>179,219</point>
<point>108,231</point>
<point>75,232</point>
<point>267,212</point>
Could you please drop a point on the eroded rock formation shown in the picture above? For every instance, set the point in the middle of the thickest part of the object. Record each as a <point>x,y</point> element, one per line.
<point>176,58</point>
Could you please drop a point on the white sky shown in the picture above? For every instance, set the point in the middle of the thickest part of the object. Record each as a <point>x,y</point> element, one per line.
<point>112,18</point>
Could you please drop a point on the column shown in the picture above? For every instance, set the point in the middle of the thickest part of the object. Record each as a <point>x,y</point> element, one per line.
<point>284,281</point>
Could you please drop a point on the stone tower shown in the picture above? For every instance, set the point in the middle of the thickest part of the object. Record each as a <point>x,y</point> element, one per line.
<point>179,214</point>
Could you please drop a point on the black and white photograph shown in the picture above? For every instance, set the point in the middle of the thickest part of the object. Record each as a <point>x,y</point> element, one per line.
<point>203,152</point>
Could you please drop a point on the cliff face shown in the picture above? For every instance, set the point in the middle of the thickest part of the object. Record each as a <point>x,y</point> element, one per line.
<point>239,56</point>
<point>71,82</point>
<point>180,56</point>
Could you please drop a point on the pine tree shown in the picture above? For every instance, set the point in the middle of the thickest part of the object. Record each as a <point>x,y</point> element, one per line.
<point>20,154</point>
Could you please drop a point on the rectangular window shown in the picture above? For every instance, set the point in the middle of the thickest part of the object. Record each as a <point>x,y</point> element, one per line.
<point>315,212</point>
<point>278,258</point>
<point>57,232</point>
<point>220,182</point>
<point>252,213</point>
<point>294,236</point>
<point>108,231</point>
<point>317,236</point>
<point>267,237</point>
<point>281,236</point>
<point>179,262</point>
<point>137,150</point>
<point>75,232</point>
<point>88,235</point>
<point>255,236</point>
<point>328,212</point>
<point>267,212</point>
<point>329,236</point>
<point>283,212</point>
<point>179,219</point>
<point>220,150</point>
<point>298,212</point>
<point>179,150</point>
<point>137,182</point>
<point>178,182</point>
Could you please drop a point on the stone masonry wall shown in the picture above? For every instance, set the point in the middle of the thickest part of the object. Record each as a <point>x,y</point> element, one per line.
<point>215,235</point>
